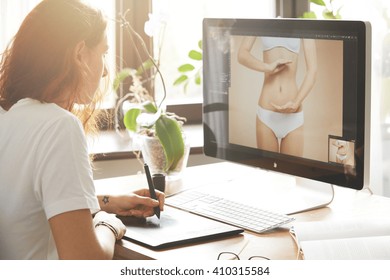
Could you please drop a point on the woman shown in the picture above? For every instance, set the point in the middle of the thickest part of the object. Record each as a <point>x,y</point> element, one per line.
<point>49,76</point>
<point>342,147</point>
<point>279,123</point>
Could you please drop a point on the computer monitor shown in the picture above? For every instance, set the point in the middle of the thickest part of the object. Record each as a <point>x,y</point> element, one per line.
<point>289,95</point>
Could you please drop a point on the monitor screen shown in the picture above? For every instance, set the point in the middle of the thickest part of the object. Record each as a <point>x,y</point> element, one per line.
<point>289,95</point>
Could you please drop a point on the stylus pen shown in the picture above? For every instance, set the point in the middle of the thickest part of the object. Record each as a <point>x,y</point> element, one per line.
<point>151,189</point>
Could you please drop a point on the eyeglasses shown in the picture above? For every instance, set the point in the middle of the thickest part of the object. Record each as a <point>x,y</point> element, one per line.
<point>234,256</point>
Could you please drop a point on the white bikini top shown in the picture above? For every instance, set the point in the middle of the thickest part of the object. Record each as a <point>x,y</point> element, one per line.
<point>292,44</point>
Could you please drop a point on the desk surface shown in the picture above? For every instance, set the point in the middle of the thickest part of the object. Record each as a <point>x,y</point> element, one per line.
<point>275,244</point>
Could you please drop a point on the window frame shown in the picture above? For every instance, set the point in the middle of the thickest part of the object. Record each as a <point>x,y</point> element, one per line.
<point>128,58</point>
<point>291,8</point>
<point>137,20</point>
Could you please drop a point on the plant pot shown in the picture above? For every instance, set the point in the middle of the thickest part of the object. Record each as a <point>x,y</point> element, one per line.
<point>153,155</point>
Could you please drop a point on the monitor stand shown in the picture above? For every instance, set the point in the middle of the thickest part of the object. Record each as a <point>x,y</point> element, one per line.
<point>312,195</point>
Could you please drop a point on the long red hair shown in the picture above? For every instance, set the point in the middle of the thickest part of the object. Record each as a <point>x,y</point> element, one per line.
<point>39,62</point>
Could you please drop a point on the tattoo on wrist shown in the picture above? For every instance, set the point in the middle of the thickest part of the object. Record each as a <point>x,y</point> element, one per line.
<point>105,199</point>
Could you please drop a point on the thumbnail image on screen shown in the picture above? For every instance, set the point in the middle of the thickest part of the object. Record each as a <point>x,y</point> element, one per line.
<point>341,151</point>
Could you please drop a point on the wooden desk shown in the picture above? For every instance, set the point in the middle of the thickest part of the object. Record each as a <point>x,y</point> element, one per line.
<point>276,244</point>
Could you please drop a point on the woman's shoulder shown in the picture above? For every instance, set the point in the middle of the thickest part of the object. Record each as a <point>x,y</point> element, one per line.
<point>42,114</point>
<point>48,109</point>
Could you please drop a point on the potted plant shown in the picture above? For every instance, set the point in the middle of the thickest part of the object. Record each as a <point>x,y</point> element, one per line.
<point>162,141</point>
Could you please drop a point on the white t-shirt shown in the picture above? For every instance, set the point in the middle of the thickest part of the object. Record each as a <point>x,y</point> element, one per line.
<point>44,171</point>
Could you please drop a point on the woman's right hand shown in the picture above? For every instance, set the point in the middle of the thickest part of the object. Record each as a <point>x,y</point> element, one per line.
<point>112,222</point>
<point>278,65</point>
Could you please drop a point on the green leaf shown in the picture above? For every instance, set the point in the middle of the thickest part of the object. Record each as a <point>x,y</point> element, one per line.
<point>318,2</point>
<point>195,55</point>
<point>186,86</point>
<point>198,79</point>
<point>180,80</point>
<point>130,119</point>
<point>169,133</point>
<point>186,67</point>
<point>146,65</point>
<point>309,15</point>
<point>200,44</point>
<point>149,107</point>
<point>120,77</point>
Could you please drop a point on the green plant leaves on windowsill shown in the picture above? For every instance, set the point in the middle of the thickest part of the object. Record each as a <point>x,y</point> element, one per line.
<point>195,55</point>
<point>169,133</point>
<point>189,71</point>
<point>167,130</point>
<point>186,67</point>
<point>144,115</point>
<point>180,80</point>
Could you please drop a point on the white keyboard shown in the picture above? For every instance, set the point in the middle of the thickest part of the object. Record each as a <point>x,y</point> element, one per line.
<point>234,213</point>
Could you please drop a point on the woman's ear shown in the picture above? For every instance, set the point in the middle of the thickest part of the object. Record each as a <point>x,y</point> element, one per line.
<point>80,52</point>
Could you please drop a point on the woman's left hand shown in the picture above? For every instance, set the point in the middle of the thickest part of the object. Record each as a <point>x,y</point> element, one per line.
<point>136,204</point>
<point>289,107</point>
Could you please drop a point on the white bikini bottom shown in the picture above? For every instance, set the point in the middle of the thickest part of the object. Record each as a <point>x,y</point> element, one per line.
<point>280,123</point>
<point>341,157</point>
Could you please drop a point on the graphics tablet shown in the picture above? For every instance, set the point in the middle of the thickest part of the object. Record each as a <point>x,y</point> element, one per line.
<point>174,228</point>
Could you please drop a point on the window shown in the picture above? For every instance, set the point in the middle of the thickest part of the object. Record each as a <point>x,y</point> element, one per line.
<point>183,30</point>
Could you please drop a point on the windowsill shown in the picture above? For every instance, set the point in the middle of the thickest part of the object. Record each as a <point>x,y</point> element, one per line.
<point>109,145</point>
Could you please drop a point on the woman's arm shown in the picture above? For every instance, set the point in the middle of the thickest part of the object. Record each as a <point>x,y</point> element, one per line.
<point>137,203</point>
<point>76,237</point>
<point>310,52</point>
<point>245,58</point>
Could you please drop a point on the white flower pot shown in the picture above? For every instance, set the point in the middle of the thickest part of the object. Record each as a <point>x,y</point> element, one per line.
<point>153,155</point>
